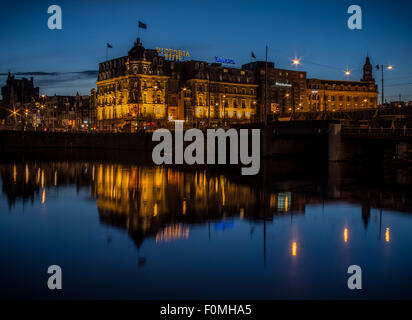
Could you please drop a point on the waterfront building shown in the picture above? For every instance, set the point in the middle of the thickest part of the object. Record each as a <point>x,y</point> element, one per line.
<point>64,113</point>
<point>144,88</point>
<point>339,95</point>
<point>284,91</point>
<point>18,92</point>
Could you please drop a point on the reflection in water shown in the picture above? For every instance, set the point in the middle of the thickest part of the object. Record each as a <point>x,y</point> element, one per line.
<point>161,202</point>
<point>172,232</point>
<point>294,249</point>
<point>387,235</point>
<point>345,235</point>
<point>145,199</point>
<point>270,218</point>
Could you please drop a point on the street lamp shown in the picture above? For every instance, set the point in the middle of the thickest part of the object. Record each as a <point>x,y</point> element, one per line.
<point>296,62</point>
<point>382,67</point>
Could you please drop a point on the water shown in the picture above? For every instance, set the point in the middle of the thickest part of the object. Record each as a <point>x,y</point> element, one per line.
<point>128,231</point>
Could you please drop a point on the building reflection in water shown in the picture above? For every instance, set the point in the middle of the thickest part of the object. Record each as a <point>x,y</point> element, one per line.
<point>163,203</point>
<point>387,235</point>
<point>172,232</point>
<point>145,200</point>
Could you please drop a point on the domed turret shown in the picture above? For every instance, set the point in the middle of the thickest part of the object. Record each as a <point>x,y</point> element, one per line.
<point>138,51</point>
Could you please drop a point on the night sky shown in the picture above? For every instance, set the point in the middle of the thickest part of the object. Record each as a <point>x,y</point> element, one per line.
<point>65,61</point>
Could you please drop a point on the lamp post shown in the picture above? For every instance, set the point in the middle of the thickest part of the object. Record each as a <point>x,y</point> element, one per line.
<point>382,67</point>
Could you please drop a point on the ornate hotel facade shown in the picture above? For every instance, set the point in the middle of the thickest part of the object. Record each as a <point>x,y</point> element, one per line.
<point>144,88</point>
<point>335,95</point>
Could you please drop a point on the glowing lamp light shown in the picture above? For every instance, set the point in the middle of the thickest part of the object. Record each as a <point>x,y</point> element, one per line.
<point>345,235</point>
<point>296,62</point>
<point>239,114</point>
<point>294,249</point>
<point>347,73</point>
<point>387,235</point>
<point>389,67</point>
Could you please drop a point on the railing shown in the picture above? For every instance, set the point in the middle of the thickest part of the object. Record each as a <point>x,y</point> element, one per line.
<point>376,132</point>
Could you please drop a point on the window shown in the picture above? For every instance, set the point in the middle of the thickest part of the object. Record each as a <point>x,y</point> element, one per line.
<point>243,104</point>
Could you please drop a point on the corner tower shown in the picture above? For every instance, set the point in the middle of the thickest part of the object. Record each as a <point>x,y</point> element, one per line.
<point>367,71</point>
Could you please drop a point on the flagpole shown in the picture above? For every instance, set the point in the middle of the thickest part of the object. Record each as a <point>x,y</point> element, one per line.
<point>266,84</point>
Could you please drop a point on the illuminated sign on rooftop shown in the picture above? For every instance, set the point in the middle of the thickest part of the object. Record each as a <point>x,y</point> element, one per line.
<point>173,54</point>
<point>224,60</point>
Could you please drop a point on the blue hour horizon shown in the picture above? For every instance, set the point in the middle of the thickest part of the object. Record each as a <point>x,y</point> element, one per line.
<point>66,61</point>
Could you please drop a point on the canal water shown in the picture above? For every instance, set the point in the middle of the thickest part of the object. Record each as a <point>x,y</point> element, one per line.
<point>121,230</point>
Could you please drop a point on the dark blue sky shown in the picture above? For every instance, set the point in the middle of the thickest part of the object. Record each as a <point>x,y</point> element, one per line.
<point>315,31</point>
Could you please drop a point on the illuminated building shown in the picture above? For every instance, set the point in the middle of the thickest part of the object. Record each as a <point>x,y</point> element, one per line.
<point>152,87</point>
<point>144,88</point>
<point>337,95</point>
<point>18,92</point>
<point>286,89</point>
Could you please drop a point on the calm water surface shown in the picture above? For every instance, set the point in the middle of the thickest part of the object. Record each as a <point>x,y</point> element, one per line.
<point>129,231</point>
